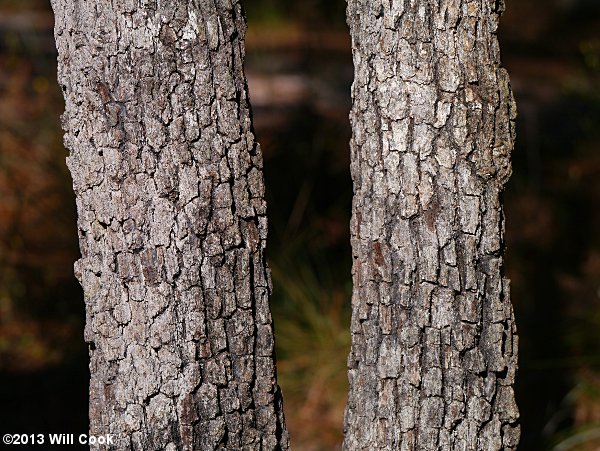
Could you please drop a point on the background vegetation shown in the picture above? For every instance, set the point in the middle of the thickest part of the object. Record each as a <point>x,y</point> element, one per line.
<point>300,70</point>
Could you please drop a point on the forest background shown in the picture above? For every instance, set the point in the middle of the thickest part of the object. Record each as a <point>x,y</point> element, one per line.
<point>299,70</point>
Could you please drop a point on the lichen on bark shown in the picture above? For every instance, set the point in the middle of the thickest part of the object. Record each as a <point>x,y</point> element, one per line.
<point>434,348</point>
<point>172,225</point>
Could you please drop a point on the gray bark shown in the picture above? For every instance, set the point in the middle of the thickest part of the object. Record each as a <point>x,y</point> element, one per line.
<point>434,349</point>
<point>170,198</point>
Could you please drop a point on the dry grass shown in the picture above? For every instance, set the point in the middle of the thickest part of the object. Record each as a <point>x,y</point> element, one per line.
<point>313,341</point>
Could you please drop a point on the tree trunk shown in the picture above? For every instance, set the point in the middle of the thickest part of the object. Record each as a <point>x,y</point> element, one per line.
<point>172,224</point>
<point>434,349</point>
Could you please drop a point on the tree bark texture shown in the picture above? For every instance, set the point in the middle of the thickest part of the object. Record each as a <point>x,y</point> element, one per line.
<point>434,349</point>
<point>172,224</point>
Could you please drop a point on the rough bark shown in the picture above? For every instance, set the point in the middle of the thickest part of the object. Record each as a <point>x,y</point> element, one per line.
<point>170,198</point>
<point>434,349</point>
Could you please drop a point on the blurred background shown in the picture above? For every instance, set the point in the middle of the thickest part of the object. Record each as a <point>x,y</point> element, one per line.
<point>299,70</point>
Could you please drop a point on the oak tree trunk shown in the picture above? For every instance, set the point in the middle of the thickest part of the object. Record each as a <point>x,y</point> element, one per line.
<point>170,199</point>
<point>434,350</point>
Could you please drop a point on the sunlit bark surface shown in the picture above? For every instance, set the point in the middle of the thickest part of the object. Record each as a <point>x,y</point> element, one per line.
<point>170,198</point>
